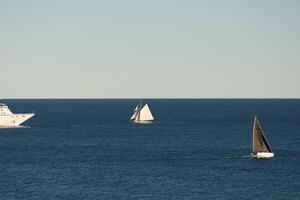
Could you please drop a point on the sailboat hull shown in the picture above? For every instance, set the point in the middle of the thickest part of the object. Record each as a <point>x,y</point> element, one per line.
<point>263,155</point>
<point>142,121</point>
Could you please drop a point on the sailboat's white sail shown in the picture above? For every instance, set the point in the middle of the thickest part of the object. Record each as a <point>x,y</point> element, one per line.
<point>135,112</point>
<point>136,108</point>
<point>145,114</point>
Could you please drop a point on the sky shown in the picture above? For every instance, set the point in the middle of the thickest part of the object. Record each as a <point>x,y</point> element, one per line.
<point>150,49</point>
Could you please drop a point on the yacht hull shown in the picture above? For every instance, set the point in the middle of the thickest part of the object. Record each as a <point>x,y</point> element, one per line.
<point>263,155</point>
<point>14,120</point>
<point>142,121</point>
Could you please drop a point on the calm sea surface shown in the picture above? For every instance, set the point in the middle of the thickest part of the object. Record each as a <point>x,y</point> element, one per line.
<point>87,149</point>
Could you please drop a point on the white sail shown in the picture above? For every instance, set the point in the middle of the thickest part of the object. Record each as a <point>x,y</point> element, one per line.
<point>145,114</point>
<point>133,116</point>
<point>135,112</point>
<point>136,108</point>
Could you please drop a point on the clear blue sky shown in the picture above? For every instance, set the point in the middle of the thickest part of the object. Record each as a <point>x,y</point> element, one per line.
<point>157,48</point>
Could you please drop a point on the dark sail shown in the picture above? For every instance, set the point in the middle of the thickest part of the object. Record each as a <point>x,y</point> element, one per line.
<point>260,143</point>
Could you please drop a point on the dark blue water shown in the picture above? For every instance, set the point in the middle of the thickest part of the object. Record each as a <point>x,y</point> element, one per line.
<point>87,149</point>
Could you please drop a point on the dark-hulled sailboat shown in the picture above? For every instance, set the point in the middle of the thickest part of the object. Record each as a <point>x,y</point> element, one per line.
<point>260,145</point>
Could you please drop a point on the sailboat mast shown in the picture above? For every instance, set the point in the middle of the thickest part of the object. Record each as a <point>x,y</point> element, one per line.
<point>139,111</point>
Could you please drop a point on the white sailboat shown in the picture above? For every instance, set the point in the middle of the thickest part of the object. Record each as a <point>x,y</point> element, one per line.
<point>260,145</point>
<point>142,114</point>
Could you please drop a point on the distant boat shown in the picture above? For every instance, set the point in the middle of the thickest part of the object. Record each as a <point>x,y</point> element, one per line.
<point>260,145</point>
<point>142,114</point>
<point>9,119</point>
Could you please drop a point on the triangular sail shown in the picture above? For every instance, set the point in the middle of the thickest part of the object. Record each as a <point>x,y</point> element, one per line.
<point>138,114</point>
<point>145,114</point>
<point>136,108</point>
<point>135,113</point>
<point>260,143</point>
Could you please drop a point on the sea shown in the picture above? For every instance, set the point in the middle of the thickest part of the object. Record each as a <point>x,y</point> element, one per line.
<point>195,149</point>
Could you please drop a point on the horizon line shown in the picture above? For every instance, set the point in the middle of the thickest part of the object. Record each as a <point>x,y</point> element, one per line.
<point>133,98</point>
